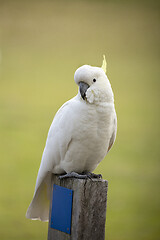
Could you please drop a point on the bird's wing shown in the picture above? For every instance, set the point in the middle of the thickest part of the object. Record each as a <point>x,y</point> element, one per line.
<point>114,131</point>
<point>59,137</point>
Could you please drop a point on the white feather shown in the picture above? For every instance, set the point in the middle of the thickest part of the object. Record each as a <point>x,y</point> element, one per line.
<point>81,134</point>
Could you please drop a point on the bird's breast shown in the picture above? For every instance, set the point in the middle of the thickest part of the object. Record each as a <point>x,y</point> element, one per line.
<point>90,142</point>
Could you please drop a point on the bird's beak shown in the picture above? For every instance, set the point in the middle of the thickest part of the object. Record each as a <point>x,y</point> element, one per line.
<point>83,88</point>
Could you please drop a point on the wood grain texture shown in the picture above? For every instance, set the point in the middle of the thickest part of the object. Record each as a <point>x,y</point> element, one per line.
<point>88,210</point>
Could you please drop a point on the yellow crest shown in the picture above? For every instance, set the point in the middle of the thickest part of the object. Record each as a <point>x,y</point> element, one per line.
<point>104,64</point>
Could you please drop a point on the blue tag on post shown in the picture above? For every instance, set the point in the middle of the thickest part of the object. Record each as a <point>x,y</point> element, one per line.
<point>61,212</point>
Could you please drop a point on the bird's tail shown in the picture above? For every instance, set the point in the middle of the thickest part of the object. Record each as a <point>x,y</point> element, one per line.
<point>39,207</point>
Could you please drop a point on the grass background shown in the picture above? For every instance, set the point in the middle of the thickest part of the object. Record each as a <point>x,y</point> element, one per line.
<point>42,43</point>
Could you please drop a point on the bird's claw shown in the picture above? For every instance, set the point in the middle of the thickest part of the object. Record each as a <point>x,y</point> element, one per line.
<point>84,175</point>
<point>73,175</point>
<point>93,175</point>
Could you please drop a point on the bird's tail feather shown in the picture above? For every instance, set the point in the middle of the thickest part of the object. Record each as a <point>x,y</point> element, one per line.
<point>39,207</point>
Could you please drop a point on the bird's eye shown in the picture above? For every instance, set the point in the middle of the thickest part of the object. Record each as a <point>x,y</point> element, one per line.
<point>94,80</point>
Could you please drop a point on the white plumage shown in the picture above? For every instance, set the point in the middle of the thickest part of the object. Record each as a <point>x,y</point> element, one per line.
<point>81,134</point>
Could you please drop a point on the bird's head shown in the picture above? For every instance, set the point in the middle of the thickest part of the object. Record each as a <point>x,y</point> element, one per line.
<point>94,86</point>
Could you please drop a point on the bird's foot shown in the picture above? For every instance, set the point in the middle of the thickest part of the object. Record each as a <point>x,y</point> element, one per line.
<point>73,175</point>
<point>84,175</point>
<point>93,175</point>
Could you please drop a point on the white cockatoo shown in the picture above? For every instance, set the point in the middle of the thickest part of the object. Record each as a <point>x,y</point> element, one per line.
<point>81,134</point>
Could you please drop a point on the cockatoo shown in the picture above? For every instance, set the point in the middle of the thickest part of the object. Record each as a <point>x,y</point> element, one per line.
<point>81,134</point>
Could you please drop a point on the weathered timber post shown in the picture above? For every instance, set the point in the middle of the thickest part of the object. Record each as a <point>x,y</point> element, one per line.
<point>79,213</point>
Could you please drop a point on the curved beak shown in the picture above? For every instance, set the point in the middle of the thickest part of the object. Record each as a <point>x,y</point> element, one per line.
<point>83,88</point>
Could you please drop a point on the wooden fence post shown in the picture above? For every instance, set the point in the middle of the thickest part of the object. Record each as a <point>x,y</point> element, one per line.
<point>88,213</point>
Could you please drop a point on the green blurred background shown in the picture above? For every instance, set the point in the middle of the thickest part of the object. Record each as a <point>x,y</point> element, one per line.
<point>42,43</point>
